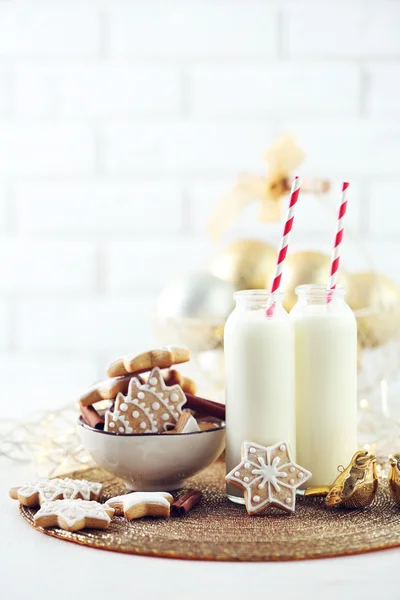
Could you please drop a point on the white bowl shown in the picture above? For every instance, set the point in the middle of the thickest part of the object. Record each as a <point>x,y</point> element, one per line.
<point>150,462</point>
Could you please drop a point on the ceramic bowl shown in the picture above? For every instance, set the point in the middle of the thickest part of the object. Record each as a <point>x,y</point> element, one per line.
<point>152,462</point>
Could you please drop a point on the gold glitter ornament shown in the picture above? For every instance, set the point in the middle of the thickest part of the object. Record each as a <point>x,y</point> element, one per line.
<point>219,530</point>
<point>246,264</point>
<point>394,477</point>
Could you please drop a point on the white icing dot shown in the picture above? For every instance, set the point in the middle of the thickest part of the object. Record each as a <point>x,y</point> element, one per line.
<point>256,498</point>
<point>300,475</point>
<point>260,486</point>
<point>135,414</point>
<point>282,448</point>
<point>174,397</point>
<point>153,381</point>
<point>291,481</point>
<point>237,474</point>
<point>247,465</point>
<point>124,406</point>
<point>155,405</point>
<point>288,501</point>
<point>141,395</point>
<point>292,469</point>
<point>112,424</point>
<point>253,450</point>
<point>143,425</point>
<point>165,417</point>
<point>246,479</point>
<point>121,429</point>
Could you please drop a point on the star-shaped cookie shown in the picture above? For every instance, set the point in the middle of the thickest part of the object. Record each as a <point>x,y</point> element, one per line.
<point>152,407</point>
<point>142,504</point>
<point>48,490</point>
<point>73,515</point>
<point>268,476</point>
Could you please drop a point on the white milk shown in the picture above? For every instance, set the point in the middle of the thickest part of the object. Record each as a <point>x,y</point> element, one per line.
<point>259,362</point>
<point>326,382</point>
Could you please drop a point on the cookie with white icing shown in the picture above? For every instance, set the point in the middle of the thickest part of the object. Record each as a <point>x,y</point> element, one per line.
<point>185,424</point>
<point>164,357</point>
<point>268,476</point>
<point>48,490</point>
<point>73,515</point>
<point>142,504</point>
<point>147,408</point>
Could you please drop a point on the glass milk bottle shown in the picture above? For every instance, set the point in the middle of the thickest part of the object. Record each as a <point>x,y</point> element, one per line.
<point>326,381</point>
<point>259,366</point>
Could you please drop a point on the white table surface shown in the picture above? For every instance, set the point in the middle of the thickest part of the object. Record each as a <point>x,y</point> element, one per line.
<point>35,566</point>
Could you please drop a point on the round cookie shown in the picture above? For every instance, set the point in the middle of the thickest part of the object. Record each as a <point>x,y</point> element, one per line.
<point>164,358</point>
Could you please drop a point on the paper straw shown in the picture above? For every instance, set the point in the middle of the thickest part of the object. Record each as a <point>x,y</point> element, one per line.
<point>283,248</point>
<point>338,240</point>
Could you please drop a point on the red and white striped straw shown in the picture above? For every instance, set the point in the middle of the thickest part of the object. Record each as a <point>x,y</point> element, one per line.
<point>338,240</point>
<point>283,248</point>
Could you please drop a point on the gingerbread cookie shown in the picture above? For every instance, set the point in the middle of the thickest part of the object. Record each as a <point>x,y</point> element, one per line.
<point>142,504</point>
<point>162,357</point>
<point>152,407</point>
<point>48,490</point>
<point>185,424</point>
<point>268,476</point>
<point>173,377</point>
<point>73,515</point>
<point>106,390</point>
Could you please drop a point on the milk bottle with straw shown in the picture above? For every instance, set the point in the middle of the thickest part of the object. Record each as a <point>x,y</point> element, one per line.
<point>259,360</point>
<point>326,372</point>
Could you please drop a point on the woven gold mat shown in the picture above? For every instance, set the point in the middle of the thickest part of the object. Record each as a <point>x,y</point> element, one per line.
<point>219,530</point>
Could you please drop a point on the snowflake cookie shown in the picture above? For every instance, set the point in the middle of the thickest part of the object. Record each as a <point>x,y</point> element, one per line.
<point>152,407</point>
<point>48,490</point>
<point>268,476</point>
<point>142,504</point>
<point>73,515</point>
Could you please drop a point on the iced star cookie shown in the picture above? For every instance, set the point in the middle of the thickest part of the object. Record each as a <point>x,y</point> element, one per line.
<point>73,515</point>
<point>48,490</point>
<point>268,476</point>
<point>148,408</point>
<point>164,358</point>
<point>142,504</point>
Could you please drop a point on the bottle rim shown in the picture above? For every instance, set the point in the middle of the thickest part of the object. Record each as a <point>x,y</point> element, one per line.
<point>257,294</point>
<point>318,289</point>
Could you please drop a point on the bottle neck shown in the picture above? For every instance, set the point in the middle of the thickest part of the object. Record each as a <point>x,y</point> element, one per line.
<point>318,294</point>
<point>257,300</point>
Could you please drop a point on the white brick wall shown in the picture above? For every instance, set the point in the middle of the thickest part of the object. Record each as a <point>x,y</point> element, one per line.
<point>122,122</point>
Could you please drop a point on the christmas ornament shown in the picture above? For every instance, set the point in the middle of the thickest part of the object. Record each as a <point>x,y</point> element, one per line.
<point>268,476</point>
<point>355,487</point>
<point>246,264</point>
<point>282,158</point>
<point>306,267</point>
<point>394,477</point>
<point>376,301</point>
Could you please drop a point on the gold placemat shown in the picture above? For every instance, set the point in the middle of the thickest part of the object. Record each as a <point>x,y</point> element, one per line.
<point>219,530</point>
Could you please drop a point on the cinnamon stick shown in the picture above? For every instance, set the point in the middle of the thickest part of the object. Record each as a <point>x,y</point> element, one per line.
<point>206,407</point>
<point>186,502</point>
<point>91,417</point>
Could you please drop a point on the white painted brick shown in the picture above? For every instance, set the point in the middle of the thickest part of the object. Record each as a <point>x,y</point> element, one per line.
<point>348,148</point>
<point>195,29</point>
<point>384,207</point>
<point>5,325</point>
<point>111,326</point>
<point>31,383</point>
<point>96,90</point>
<point>98,207</point>
<point>37,266</point>
<point>280,89</point>
<point>48,30</point>
<point>383,99</point>
<point>27,148</point>
<point>195,147</point>
<point>149,264</point>
<point>313,213</point>
<point>358,28</point>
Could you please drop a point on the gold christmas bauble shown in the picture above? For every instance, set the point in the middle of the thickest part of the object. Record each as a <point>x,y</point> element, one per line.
<point>376,301</point>
<point>305,267</point>
<point>247,264</point>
